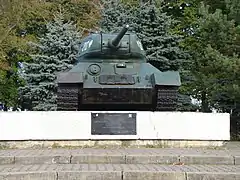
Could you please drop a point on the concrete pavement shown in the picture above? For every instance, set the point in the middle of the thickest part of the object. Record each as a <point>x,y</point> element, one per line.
<point>121,156</point>
<point>119,172</point>
<point>120,164</point>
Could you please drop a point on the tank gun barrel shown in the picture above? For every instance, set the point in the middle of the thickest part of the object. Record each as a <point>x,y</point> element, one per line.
<point>115,42</point>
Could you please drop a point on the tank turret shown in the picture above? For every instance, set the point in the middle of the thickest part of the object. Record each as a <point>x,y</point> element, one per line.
<point>116,41</point>
<point>112,47</point>
<point>112,74</point>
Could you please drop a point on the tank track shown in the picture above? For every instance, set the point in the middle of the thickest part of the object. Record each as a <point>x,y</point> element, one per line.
<point>167,98</point>
<point>67,98</point>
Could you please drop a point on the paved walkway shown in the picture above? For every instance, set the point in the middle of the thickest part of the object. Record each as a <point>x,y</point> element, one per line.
<point>119,172</point>
<point>121,156</point>
<point>121,164</point>
<point>232,145</point>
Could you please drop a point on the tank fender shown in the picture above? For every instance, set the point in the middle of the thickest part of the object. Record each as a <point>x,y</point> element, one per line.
<point>70,77</point>
<point>167,78</point>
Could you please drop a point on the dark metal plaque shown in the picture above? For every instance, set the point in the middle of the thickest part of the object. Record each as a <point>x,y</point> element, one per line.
<point>116,79</point>
<point>113,124</point>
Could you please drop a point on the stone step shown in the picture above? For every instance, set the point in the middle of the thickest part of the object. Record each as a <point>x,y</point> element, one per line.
<point>121,156</point>
<point>119,172</point>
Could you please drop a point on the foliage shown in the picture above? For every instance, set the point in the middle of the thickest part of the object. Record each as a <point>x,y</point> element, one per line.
<point>115,15</point>
<point>153,27</point>
<point>85,13</point>
<point>57,51</point>
<point>233,8</point>
<point>212,43</point>
<point>25,20</point>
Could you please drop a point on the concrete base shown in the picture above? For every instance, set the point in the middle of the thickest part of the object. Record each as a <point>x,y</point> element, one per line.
<point>111,143</point>
<point>77,125</point>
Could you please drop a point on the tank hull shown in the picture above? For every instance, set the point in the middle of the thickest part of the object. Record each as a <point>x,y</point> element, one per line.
<point>73,97</point>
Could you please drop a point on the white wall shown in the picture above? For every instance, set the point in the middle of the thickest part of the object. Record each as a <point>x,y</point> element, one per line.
<point>77,125</point>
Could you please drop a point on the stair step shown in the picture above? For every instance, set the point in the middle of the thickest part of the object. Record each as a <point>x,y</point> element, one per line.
<point>119,172</point>
<point>121,156</point>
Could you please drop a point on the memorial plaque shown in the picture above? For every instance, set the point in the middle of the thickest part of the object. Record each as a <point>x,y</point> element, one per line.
<point>113,124</point>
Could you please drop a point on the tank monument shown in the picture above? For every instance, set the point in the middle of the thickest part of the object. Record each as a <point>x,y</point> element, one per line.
<point>116,119</point>
<point>112,73</point>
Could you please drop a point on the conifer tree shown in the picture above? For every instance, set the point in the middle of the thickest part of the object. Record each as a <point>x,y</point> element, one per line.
<point>115,15</point>
<point>214,61</point>
<point>56,51</point>
<point>153,27</point>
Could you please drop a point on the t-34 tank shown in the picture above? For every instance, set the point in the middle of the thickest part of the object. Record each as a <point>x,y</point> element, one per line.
<point>112,74</point>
